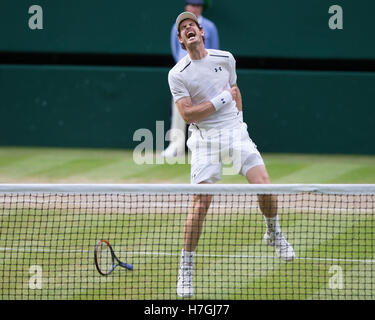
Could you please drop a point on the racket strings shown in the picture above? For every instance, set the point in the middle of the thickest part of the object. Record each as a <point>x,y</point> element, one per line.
<point>104,258</point>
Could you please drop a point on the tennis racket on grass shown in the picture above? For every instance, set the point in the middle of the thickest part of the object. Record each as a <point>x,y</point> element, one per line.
<point>106,260</point>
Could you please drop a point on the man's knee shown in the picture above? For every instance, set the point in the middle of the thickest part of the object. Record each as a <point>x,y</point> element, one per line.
<point>262,179</point>
<point>258,175</point>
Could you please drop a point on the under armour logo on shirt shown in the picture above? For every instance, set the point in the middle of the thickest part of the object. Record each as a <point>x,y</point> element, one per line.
<point>218,69</point>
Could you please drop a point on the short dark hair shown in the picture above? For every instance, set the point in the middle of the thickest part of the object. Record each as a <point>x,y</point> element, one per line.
<point>179,34</point>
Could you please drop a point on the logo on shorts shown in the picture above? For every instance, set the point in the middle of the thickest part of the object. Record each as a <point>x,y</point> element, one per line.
<point>218,69</point>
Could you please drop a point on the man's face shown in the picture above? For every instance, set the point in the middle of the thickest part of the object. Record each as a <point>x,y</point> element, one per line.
<point>190,33</point>
<point>197,9</point>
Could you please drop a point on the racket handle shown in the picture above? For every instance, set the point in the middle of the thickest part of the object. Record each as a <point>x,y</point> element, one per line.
<point>126,265</point>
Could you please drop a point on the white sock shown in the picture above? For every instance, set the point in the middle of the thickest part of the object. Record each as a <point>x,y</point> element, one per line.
<point>273,224</point>
<point>187,257</point>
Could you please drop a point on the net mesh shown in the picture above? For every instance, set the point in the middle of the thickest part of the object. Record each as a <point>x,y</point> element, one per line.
<point>47,242</point>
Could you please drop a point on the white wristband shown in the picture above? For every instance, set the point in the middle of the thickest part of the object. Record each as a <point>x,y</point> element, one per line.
<point>221,100</point>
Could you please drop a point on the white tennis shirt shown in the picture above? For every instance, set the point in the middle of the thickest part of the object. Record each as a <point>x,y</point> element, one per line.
<point>204,79</point>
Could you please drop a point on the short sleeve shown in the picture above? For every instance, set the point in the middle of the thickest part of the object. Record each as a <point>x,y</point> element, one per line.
<point>233,73</point>
<point>177,87</point>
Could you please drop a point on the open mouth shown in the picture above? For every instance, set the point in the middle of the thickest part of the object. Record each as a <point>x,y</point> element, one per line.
<point>191,35</point>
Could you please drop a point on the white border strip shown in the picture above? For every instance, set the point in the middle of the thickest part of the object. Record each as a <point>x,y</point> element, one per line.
<point>366,189</point>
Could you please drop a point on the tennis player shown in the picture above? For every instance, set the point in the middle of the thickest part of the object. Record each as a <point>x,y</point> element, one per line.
<point>203,85</point>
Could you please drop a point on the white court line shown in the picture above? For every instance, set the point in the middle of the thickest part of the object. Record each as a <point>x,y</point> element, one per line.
<point>178,254</point>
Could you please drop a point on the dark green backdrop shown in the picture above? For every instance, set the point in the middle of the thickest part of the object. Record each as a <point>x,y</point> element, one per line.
<point>272,28</point>
<point>287,111</point>
<point>316,112</point>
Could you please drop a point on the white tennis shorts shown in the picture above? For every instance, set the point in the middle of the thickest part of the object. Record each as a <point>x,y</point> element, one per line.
<point>211,149</point>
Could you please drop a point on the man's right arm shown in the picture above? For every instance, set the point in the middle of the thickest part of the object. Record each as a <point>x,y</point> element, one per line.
<point>201,111</point>
<point>195,113</point>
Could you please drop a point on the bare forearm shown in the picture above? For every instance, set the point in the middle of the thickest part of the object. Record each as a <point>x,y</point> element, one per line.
<point>238,97</point>
<point>199,112</point>
<point>195,113</point>
<point>239,101</point>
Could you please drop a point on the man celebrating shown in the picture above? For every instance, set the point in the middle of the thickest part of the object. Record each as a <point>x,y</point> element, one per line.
<point>178,126</point>
<point>203,85</point>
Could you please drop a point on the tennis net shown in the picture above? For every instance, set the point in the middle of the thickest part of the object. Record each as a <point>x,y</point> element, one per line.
<point>48,235</point>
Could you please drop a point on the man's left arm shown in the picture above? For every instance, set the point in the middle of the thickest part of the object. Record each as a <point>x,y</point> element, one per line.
<point>233,82</point>
<point>238,96</point>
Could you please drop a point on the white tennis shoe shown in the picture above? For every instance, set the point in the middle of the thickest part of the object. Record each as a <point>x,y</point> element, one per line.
<point>185,281</point>
<point>283,248</point>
